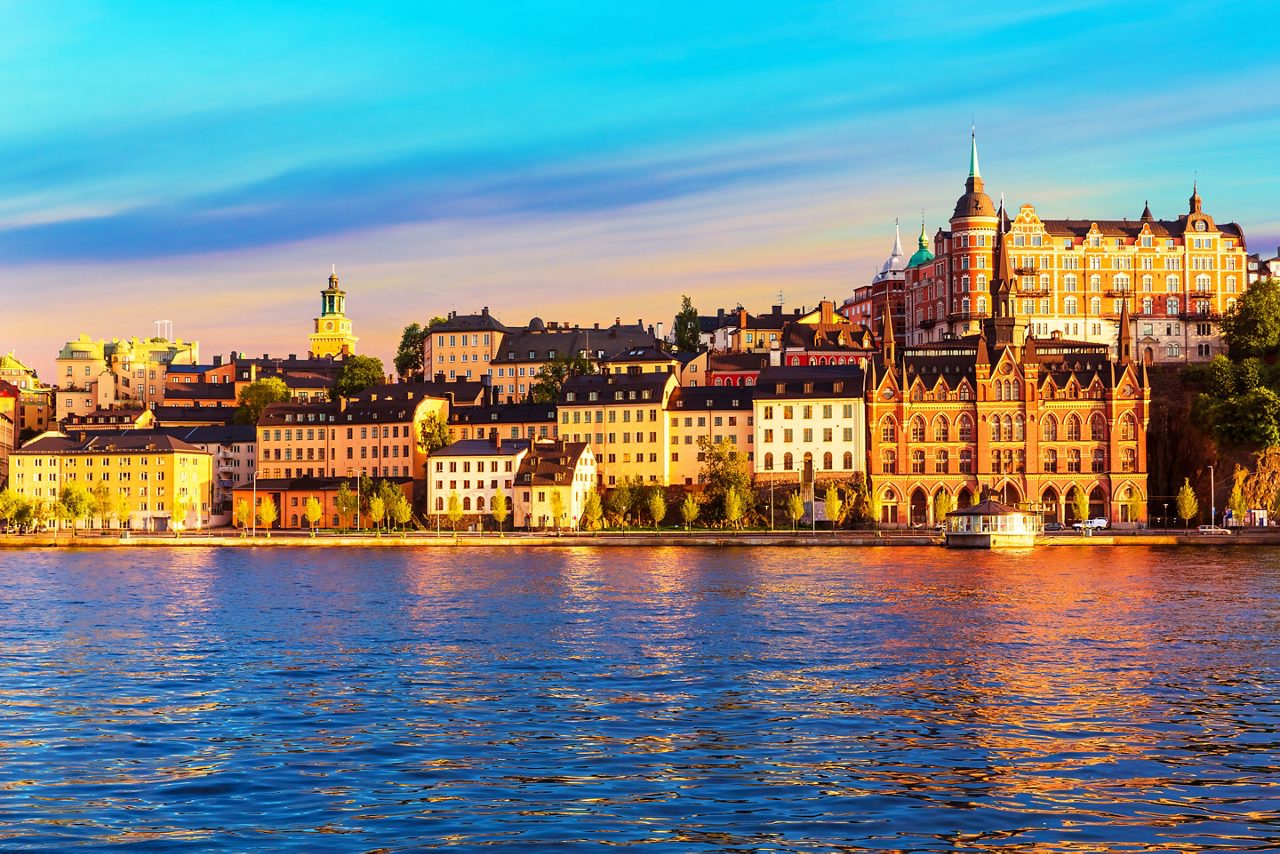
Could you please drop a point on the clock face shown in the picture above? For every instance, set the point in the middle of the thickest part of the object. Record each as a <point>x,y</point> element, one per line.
<point>328,325</point>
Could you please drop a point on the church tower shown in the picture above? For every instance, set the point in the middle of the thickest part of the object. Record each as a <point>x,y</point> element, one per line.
<point>332,335</point>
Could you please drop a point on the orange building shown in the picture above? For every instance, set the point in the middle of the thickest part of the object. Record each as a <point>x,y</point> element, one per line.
<point>290,497</point>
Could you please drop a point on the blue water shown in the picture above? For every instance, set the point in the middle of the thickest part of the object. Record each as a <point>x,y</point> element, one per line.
<point>679,700</point>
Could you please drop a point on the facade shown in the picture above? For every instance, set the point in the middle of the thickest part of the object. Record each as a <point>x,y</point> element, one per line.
<point>887,285</point>
<point>377,434</point>
<point>109,374</point>
<point>1264,268</point>
<point>10,402</point>
<point>475,470</point>
<point>1009,414</point>
<point>555,477</point>
<point>735,369</point>
<point>510,421</point>
<point>36,403</point>
<point>290,497</point>
<point>525,351</point>
<point>809,419</point>
<point>1073,277</point>
<point>233,449</point>
<point>621,417</point>
<point>112,420</point>
<point>712,415</point>
<point>464,346</point>
<point>332,336</point>
<point>824,337</point>
<point>159,481</point>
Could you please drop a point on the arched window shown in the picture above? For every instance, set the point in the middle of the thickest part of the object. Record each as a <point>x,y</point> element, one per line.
<point>941,429</point>
<point>1128,460</point>
<point>826,461</point>
<point>1007,433</point>
<point>1051,460</point>
<point>440,504</point>
<point>1019,428</point>
<point>768,462</point>
<point>1073,461</point>
<point>480,503</point>
<point>1098,428</point>
<point>940,461</point>
<point>995,428</point>
<point>1015,390</point>
<point>293,520</point>
<point>888,429</point>
<point>1073,428</point>
<point>966,393</point>
<point>889,462</point>
<point>719,380</point>
<point>917,462</point>
<point>917,429</point>
<point>1049,429</point>
<point>787,461</point>
<point>1098,462</point>
<point>466,504</point>
<point>848,461</point>
<point>1128,428</point>
<point>964,427</point>
<point>966,462</point>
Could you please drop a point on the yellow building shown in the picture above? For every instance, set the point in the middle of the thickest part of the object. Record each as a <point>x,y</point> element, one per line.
<point>332,335</point>
<point>35,407</point>
<point>150,479</point>
<point>621,417</point>
<point>714,415</point>
<point>552,484</point>
<point>105,374</point>
<point>464,345</point>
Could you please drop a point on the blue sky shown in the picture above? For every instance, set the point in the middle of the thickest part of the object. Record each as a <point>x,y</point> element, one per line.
<point>207,162</point>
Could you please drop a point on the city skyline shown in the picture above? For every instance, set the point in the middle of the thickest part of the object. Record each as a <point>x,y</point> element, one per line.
<point>473,159</point>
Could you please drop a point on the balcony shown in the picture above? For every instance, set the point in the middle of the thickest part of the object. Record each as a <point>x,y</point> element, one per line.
<point>928,323</point>
<point>1025,271</point>
<point>1034,291</point>
<point>968,315</point>
<point>1120,292</point>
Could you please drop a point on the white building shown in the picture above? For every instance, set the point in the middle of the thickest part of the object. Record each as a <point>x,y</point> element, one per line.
<point>476,470</point>
<point>809,416</point>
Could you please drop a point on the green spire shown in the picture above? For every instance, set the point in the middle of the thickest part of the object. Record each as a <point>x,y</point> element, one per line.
<point>923,243</point>
<point>973,155</point>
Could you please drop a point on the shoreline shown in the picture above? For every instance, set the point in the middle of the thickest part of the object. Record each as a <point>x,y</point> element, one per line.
<point>636,539</point>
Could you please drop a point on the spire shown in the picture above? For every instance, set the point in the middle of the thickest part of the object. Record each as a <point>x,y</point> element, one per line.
<point>923,243</point>
<point>897,239</point>
<point>1126,334</point>
<point>1146,211</point>
<point>1195,196</point>
<point>887,344</point>
<point>973,153</point>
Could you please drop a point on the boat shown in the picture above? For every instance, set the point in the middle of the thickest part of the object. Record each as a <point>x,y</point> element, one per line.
<point>989,524</point>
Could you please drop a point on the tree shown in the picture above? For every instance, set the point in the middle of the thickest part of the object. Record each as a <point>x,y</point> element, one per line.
<point>553,375</point>
<point>409,354</point>
<point>401,510</point>
<point>943,503</point>
<point>724,468</point>
<point>834,505</point>
<point>592,512</point>
<point>873,506</point>
<point>795,508</point>
<point>455,510</point>
<point>268,513</point>
<point>9,501</point>
<point>1080,503</point>
<point>313,510</point>
<point>75,503</point>
<point>1252,327</point>
<point>257,396</point>
<point>617,503</point>
<point>686,332</point>
<point>689,510</point>
<point>358,373</point>
<point>120,509</point>
<point>499,509</point>
<point>377,510</point>
<point>181,508</point>
<point>1235,502</point>
<point>657,507</point>
<point>242,515</point>
<point>1136,506</point>
<point>346,502</point>
<point>733,507</point>
<point>557,506</point>
<point>433,434</point>
<point>1186,504</point>
<point>102,502</point>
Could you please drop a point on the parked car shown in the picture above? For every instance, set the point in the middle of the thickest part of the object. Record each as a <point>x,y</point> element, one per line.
<point>1212,529</point>
<point>1053,526</point>
<point>1097,523</point>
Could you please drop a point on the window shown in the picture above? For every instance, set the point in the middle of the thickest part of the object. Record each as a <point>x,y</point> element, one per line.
<point>917,462</point>
<point>1073,461</point>
<point>888,462</point>
<point>788,461</point>
<point>941,429</point>
<point>1051,460</point>
<point>1049,429</point>
<point>917,429</point>
<point>1098,461</point>
<point>1073,428</point>
<point>1128,460</point>
<point>940,460</point>
<point>966,462</point>
<point>1128,428</point>
<point>1097,428</point>
<point>888,429</point>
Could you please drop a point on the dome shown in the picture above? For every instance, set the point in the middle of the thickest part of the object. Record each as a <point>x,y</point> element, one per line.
<point>922,255</point>
<point>894,263</point>
<point>974,202</point>
<point>536,325</point>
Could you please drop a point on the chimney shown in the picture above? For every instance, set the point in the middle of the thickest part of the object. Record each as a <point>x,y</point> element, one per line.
<point>217,361</point>
<point>484,312</point>
<point>293,357</point>
<point>497,439</point>
<point>775,358</point>
<point>742,318</point>
<point>617,321</point>
<point>659,330</point>
<point>597,325</point>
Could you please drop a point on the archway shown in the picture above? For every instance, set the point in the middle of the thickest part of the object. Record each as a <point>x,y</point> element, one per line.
<point>1051,505</point>
<point>1098,504</point>
<point>964,498</point>
<point>919,507</point>
<point>1008,493</point>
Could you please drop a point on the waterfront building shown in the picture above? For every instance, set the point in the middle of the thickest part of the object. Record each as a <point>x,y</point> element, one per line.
<point>1029,418</point>
<point>475,470</point>
<point>1261,267</point>
<point>233,449</point>
<point>710,414</point>
<point>887,285</point>
<point>110,420</point>
<point>554,477</point>
<point>809,420</point>
<point>158,480</point>
<point>620,416</point>
<point>10,403</point>
<point>36,400</point>
<point>332,334</point>
<point>376,433</point>
<point>737,369</point>
<point>290,498</point>
<point>525,351</point>
<point>108,374</point>
<point>464,346</point>
<point>1176,278</point>
<point>508,420</point>
<point>825,337</point>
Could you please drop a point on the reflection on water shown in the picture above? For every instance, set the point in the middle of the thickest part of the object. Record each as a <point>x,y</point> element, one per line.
<point>788,700</point>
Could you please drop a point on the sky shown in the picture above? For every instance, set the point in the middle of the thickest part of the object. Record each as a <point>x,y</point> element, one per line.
<point>210,162</point>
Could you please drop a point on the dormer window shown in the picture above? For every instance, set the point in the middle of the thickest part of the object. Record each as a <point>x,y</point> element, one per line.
<point>569,396</point>
<point>551,354</point>
<point>593,396</point>
<point>644,395</point>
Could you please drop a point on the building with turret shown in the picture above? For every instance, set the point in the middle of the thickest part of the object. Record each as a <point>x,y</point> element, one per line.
<point>332,336</point>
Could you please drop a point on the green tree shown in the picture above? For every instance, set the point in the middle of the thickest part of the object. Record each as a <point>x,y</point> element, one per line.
<point>346,502</point>
<point>102,502</point>
<point>120,509</point>
<point>181,509</point>
<point>795,508</point>
<point>1236,502</point>
<point>873,506</point>
<point>557,507</point>
<point>833,504</point>
<point>409,354</point>
<point>1252,327</point>
<point>592,511</point>
<point>1136,506</point>
<point>377,511</point>
<point>268,513</point>
<point>358,373</point>
<point>723,469</point>
<point>657,507</point>
<point>433,434</point>
<point>9,501</point>
<point>1080,503</point>
<point>455,510</point>
<point>75,502</point>
<point>554,374</point>
<point>313,510</point>
<point>733,507</point>
<point>1186,504</point>
<point>401,511</point>
<point>689,510</point>
<point>943,503</point>
<point>499,509</point>
<point>242,515</point>
<point>257,396</point>
<point>685,329</point>
<point>617,503</point>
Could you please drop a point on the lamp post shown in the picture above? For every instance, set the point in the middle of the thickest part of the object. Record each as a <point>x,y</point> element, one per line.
<point>350,470</point>
<point>1164,515</point>
<point>1213,510</point>
<point>254,519</point>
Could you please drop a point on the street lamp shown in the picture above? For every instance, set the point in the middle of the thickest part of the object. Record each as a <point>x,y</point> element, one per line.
<point>1213,510</point>
<point>253,520</point>
<point>1164,515</point>
<point>350,470</point>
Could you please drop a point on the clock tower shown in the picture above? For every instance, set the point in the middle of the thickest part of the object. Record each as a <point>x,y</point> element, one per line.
<point>332,335</point>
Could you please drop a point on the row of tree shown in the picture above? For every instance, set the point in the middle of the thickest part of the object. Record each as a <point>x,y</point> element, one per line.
<point>77,506</point>
<point>381,504</point>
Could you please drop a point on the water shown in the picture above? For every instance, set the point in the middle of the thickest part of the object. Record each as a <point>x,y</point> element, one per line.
<point>679,700</point>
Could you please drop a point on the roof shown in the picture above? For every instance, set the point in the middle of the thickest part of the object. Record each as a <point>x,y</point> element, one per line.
<point>170,415</point>
<point>1130,227</point>
<point>646,353</point>
<point>736,362</point>
<point>989,507</point>
<point>550,463</point>
<point>551,342</point>
<point>649,386</point>
<point>482,448</point>
<point>517,413</point>
<point>816,381</point>
<point>107,416</point>
<point>482,322</point>
<point>133,441</point>
<point>711,397</point>
<point>318,484</point>
<point>201,390</point>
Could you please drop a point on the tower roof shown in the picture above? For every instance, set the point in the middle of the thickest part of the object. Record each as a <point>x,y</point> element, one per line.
<point>974,202</point>
<point>922,255</point>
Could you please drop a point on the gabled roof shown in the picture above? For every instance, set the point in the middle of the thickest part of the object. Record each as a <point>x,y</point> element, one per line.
<point>550,463</point>
<point>482,448</point>
<point>797,381</point>
<point>692,398</point>
<point>132,441</point>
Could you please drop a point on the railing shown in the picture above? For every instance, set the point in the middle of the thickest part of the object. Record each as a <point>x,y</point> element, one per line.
<point>968,315</point>
<point>928,323</point>
<point>1025,271</point>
